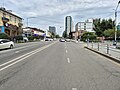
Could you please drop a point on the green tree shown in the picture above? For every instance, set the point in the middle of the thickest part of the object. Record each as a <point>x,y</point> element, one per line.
<point>96,28</point>
<point>57,36</point>
<point>101,25</point>
<point>64,34</point>
<point>53,35</point>
<point>4,36</point>
<point>109,33</point>
<point>118,33</point>
<point>89,35</point>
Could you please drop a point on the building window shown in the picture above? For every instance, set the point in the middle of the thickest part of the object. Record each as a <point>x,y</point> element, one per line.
<point>4,14</point>
<point>20,21</point>
<point>15,20</point>
<point>10,18</point>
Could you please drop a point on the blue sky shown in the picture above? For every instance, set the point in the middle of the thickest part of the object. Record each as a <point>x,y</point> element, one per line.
<point>53,12</point>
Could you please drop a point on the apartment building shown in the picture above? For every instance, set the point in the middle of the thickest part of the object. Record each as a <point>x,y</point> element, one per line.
<point>82,27</point>
<point>10,23</point>
<point>87,26</point>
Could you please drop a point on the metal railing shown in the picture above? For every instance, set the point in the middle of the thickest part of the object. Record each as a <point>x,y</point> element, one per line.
<point>106,48</point>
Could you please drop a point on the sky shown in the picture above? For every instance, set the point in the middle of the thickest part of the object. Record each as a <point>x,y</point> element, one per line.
<point>45,13</point>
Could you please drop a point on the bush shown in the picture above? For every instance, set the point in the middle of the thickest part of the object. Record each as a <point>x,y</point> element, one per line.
<point>30,38</point>
<point>36,37</point>
<point>19,38</point>
<point>4,36</point>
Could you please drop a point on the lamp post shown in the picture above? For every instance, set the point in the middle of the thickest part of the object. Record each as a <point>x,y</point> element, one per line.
<point>28,19</point>
<point>115,21</point>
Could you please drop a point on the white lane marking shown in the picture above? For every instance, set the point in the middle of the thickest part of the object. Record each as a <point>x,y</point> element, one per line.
<point>17,51</point>
<point>74,88</point>
<point>22,58</point>
<point>18,48</point>
<point>68,60</point>
<point>66,51</point>
<point>17,58</point>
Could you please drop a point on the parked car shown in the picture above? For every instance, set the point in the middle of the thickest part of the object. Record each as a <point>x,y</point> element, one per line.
<point>22,38</point>
<point>48,39</point>
<point>25,39</point>
<point>62,40</point>
<point>5,43</point>
<point>118,46</point>
<point>67,40</point>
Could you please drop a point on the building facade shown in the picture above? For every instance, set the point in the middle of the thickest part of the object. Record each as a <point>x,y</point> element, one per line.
<point>48,34</point>
<point>52,29</point>
<point>87,26</point>
<point>29,31</point>
<point>69,26</point>
<point>82,27</point>
<point>10,23</point>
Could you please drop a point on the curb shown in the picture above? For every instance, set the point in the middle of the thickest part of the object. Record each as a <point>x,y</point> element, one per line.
<point>105,55</point>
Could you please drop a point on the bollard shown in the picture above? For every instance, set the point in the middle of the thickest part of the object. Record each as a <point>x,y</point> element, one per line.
<point>87,43</point>
<point>98,46</point>
<point>92,45</point>
<point>107,49</point>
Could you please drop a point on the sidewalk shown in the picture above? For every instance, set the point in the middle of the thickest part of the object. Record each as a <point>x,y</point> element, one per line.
<point>105,49</point>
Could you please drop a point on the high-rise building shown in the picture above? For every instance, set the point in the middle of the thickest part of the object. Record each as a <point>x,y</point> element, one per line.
<point>68,26</point>
<point>52,29</point>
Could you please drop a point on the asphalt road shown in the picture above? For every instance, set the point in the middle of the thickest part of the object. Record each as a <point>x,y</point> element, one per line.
<point>20,49</point>
<point>60,66</point>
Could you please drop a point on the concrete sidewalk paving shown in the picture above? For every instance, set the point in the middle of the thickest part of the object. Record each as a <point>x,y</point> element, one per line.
<point>110,52</point>
<point>113,53</point>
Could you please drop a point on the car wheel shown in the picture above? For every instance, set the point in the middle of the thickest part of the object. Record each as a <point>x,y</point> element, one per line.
<point>11,46</point>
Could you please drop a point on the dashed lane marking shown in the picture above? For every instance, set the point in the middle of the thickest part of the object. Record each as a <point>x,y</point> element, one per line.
<point>74,88</point>
<point>66,51</point>
<point>68,60</point>
<point>17,51</point>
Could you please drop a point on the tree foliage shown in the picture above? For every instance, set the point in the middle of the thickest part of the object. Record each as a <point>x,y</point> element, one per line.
<point>4,36</point>
<point>64,34</point>
<point>118,33</point>
<point>53,35</point>
<point>111,33</point>
<point>101,25</point>
<point>57,36</point>
<point>89,35</point>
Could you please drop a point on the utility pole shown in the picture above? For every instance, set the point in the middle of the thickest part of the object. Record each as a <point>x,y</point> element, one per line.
<point>28,19</point>
<point>115,22</point>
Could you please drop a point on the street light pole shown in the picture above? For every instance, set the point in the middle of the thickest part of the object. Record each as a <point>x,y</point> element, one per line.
<point>27,22</point>
<point>28,19</point>
<point>115,22</point>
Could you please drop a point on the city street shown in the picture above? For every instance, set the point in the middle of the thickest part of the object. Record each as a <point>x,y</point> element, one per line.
<point>56,66</point>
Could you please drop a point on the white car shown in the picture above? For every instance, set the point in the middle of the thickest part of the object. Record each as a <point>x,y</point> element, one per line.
<point>5,43</point>
<point>62,40</point>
